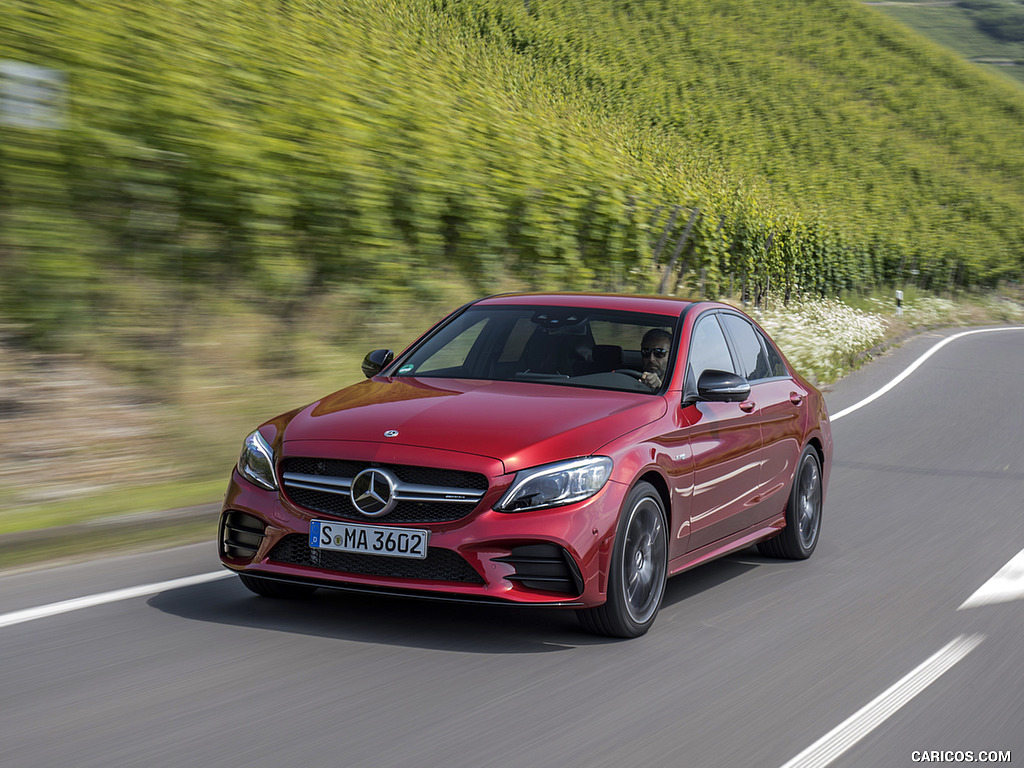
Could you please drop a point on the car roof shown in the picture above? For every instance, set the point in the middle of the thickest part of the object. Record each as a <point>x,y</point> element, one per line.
<point>660,305</point>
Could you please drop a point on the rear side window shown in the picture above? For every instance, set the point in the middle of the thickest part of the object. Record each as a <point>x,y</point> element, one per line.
<point>757,358</point>
<point>775,364</point>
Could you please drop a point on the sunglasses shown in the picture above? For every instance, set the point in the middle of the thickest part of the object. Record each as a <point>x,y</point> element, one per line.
<point>657,352</point>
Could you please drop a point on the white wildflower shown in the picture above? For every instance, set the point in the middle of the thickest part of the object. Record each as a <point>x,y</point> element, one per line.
<point>823,338</point>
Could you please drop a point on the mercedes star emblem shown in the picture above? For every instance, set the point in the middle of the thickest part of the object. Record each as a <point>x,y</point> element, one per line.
<point>373,492</point>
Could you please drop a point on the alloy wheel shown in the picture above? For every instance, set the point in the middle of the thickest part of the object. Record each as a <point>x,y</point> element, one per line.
<point>643,560</point>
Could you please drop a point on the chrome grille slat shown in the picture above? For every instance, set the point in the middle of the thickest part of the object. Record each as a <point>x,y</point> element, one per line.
<point>317,481</point>
<point>405,497</point>
<point>411,491</point>
<point>403,491</point>
<point>318,487</point>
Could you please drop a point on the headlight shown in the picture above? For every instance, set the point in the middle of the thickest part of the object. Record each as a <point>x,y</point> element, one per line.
<point>555,485</point>
<point>256,462</point>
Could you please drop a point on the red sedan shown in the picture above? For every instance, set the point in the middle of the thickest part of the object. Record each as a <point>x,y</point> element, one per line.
<point>565,450</point>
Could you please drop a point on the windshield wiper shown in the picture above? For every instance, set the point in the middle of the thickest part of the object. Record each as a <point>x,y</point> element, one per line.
<point>538,376</point>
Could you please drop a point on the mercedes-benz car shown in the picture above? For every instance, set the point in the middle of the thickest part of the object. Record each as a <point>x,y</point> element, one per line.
<point>562,450</point>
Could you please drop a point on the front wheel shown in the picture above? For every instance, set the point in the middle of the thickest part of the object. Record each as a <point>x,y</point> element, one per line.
<point>803,513</point>
<point>638,568</point>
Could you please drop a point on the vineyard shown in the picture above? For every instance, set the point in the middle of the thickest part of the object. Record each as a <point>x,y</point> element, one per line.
<point>304,148</point>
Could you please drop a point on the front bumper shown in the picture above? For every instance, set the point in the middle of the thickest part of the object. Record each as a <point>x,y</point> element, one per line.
<point>554,557</point>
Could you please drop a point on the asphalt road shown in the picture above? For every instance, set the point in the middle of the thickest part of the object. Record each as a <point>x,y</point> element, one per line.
<point>752,661</point>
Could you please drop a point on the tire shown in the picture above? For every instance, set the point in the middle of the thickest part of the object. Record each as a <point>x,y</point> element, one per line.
<point>637,571</point>
<point>803,513</point>
<point>276,589</point>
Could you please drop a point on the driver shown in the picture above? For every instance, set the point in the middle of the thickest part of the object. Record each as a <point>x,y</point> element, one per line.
<point>654,350</point>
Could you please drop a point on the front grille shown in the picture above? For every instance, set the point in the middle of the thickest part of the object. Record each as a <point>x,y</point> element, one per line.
<point>546,567</point>
<point>422,475</point>
<point>439,564</point>
<point>322,485</point>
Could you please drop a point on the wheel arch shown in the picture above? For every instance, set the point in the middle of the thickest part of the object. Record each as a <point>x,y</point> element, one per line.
<point>819,448</point>
<point>817,442</point>
<point>659,483</point>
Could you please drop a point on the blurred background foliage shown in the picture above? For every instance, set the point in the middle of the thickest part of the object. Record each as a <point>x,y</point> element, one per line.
<point>335,172</point>
<point>295,146</point>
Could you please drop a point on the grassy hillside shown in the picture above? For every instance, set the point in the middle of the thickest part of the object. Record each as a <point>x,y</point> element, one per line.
<point>303,147</point>
<point>246,195</point>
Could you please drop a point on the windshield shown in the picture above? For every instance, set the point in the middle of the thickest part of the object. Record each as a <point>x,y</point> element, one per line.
<point>571,346</point>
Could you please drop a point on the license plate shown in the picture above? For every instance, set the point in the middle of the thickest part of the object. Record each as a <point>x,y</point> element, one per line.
<point>369,539</point>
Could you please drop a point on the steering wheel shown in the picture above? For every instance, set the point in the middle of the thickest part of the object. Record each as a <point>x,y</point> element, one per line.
<point>629,372</point>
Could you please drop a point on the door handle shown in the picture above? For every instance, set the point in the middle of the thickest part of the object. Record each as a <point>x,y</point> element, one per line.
<point>748,406</point>
<point>796,398</point>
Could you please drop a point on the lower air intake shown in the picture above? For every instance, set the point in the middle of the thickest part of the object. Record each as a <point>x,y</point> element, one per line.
<point>240,534</point>
<point>546,567</point>
<point>439,564</point>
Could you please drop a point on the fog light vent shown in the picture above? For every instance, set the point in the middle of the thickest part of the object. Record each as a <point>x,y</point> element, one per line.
<point>545,567</point>
<point>240,534</point>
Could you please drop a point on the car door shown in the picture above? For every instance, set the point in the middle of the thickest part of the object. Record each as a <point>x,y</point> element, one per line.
<point>725,442</point>
<point>779,408</point>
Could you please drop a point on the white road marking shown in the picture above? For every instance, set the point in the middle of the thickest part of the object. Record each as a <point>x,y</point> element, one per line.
<point>914,366</point>
<point>1006,585</point>
<point>837,741</point>
<point>42,611</point>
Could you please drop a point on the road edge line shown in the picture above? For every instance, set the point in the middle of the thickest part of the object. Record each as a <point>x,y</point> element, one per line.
<point>1006,586</point>
<point>915,365</point>
<point>78,603</point>
<point>845,735</point>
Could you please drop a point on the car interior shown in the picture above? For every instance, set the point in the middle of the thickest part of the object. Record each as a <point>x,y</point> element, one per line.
<point>543,345</point>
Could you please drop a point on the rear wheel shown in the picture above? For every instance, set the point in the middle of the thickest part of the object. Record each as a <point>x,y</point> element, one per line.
<point>637,572</point>
<point>270,588</point>
<point>803,513</point>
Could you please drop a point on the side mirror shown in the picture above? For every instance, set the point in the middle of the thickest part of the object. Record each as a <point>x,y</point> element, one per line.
<point>375,362</point>
<point>722,387</point>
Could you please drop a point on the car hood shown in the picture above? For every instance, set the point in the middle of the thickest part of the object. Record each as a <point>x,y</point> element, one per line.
<point>519,424</point>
